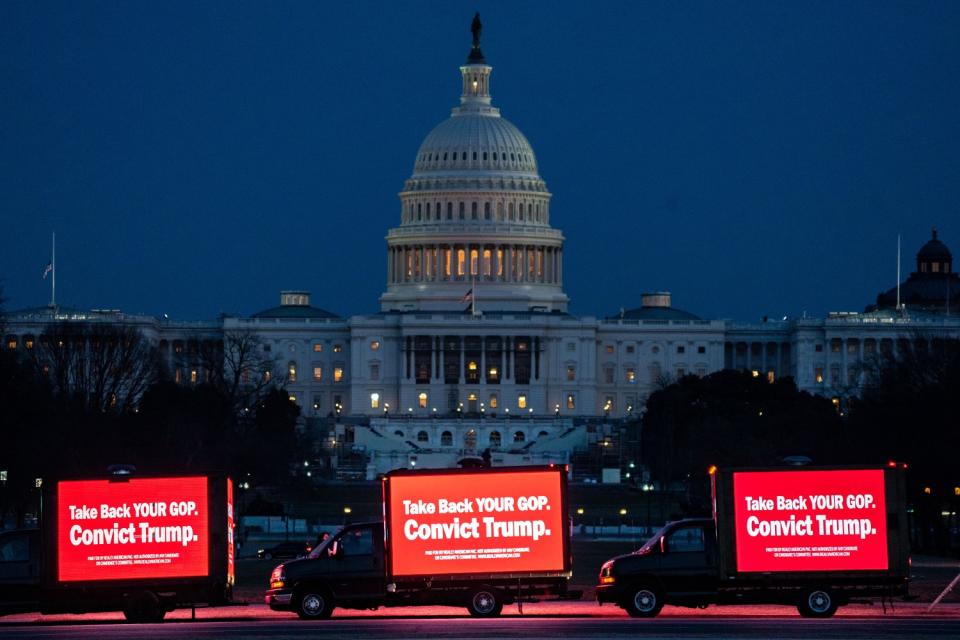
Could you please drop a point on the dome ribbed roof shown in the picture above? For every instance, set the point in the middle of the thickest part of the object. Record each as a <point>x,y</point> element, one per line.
<point>475,142</point>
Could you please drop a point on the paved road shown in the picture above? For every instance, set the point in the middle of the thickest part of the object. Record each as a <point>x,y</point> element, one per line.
<point>774,628</point>
<point>567,620</point>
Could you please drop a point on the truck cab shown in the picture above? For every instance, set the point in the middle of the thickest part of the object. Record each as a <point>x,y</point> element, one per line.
<point>678,564</point>
<point>348,569</point>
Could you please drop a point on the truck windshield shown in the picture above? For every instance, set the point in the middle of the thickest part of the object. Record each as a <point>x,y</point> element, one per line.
<point>324,544</point>
<point>653,542</point>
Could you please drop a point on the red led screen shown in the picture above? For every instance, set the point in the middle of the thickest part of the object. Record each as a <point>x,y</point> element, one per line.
<point>810,520</point>
<point>141,528</point>
<point>476,523</point>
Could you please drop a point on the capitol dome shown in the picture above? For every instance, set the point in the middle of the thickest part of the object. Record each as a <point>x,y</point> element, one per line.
<point>475,215</point>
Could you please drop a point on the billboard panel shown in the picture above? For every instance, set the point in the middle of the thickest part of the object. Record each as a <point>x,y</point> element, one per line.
<point>476,523</point>
<point>810,520</point>
<point>140,528</point>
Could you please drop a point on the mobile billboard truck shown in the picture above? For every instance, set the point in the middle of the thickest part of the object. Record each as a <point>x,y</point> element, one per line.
<point>474,538</point>
<point>141,545</point>
<point>815,538</point>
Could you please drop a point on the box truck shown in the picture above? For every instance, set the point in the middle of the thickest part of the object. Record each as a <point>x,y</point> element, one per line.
<point>815,538</point>
<point>137,544</point>
<point>474,538</point>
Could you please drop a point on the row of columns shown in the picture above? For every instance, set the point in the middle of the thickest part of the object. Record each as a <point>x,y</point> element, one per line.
<point>461,262</point>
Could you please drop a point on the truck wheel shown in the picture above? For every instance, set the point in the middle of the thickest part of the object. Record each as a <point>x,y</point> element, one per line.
<point>143,606</point>
<point>485,602</point>
<point>314,604</point>
<point>644,602</point>
<point>817,603</point>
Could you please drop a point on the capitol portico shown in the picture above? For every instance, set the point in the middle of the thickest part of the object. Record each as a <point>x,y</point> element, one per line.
<point>473,348</point>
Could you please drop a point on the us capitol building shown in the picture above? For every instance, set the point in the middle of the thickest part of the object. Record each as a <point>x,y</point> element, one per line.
<point>473,349</point>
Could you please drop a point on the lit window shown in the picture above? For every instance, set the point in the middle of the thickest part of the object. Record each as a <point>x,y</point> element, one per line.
<point>472,366</point>
<point>374,345</point>
<point>374,400</point>
<point>337,374</point>
<point>493,401</point>
<point>318,374</point>
<point>522,401</point>
<point>337,348</point>
<point>317,347</point>
<point>28,343</point>
<point>771,376</point>
<point>631,375</point>
<point>571,401</point>
<point>292,371</point>
<point>608,403</point>
<point>178,376</point>
<point>818,375</point>
<point>293,398</point>
<point>267,376</point>
<point>422,400</point>
<point>609,348</point>
<point>571,372</point>
<point>12,343</point>
<point>755,373</point>
<point>193,376</point>
<point>521,346</point>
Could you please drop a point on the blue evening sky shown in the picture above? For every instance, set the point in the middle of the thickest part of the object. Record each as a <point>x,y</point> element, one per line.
<point>754,158</point>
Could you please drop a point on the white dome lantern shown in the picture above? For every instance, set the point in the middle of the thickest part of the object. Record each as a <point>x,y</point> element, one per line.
<point>475,215</point>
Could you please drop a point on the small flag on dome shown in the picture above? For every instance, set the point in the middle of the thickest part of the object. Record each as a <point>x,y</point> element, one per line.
<point>468,296</point>
<point>47,270</point>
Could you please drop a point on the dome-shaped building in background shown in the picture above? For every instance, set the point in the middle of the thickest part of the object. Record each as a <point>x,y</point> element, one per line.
<point>933,287</point>
<point>475,216</point>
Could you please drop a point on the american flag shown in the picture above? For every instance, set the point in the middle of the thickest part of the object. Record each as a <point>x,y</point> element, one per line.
<point>468,296</point>
<point>47,270</point>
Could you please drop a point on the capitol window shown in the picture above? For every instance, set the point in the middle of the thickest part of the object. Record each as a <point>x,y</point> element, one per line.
<point>493,401</point>
<point>571,401</point>
<point>317,347</point>
<point>463,208</point>
<point>571,372</point>
<point>374,400</point>
<point>522,401</point>
<point>449,211</point>
<point>701,349</point>
<point>609,348</point>
<point>519,436</point>
<point>292,371</point>
<point>337,374</point>
<point>631,375</point>
<point>374,345</point>
<point>446,439</point>
<point>337,348</point>
<point>422,400</point>
<point>374,371</point>
<point>486,210</point>
<point>423,436</point>
<point>495,439</point>
<point>193,376</point>
<point>317,374</point>
<point>818,375</point>
<point>473,210</point>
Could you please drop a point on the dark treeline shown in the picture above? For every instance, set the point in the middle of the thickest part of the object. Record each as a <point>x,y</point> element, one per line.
<point>85,396</point>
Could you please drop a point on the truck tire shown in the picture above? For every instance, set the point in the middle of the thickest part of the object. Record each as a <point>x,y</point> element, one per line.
<point>817,603</point>
<point>313,603</point>
<point>143,606</point>
<point>644,601</point>
<point>484,602</point>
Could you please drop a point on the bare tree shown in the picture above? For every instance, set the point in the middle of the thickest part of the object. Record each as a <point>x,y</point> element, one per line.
<point>240,368</point>
<point>104,367</point>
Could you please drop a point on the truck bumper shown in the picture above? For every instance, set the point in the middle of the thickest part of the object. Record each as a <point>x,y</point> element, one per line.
<point>278,599</point>
<point>608,593</point>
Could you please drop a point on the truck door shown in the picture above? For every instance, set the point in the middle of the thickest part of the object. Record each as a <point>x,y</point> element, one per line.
<point>688,560</point>
<point>357,568</point>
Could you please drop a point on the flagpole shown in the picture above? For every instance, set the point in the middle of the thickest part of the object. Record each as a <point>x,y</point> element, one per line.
<point>53,272</point>
<point>898,272</point>
<point>473,294</point>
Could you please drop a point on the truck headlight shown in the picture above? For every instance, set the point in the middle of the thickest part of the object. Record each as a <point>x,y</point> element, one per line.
<point>606,574</point>
<point>278,578</point>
